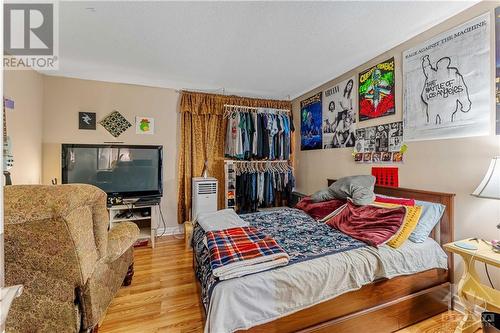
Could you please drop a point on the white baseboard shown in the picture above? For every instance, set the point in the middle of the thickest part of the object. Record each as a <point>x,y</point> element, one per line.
<point>178,230</point>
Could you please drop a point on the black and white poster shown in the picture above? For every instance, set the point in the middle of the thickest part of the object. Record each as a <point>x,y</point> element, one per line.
<point>381,138</point>
<point>447,84</point>
<point>339,115</point>
<point>379,144</point>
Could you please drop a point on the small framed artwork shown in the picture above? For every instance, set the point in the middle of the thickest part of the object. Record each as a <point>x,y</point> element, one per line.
<point>144,125</point>
<point>86,120</point>
<point>115,123</point>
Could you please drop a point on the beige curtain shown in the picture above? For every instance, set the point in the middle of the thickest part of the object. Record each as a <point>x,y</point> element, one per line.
<point>203,130</point>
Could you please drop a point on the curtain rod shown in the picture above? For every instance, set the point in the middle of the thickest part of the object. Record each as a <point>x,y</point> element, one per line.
<point>223,91</point>
<point>253,107</point>
<point>257,161</point>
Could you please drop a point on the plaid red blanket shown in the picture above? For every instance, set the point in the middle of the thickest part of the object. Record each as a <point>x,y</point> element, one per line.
<point>240,244</point>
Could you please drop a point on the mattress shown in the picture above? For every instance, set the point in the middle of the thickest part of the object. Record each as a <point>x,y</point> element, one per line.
<point>248,301</point>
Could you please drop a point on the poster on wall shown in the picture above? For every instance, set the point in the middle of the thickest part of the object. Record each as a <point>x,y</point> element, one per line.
<point>310,123</point>
<point>447,84</point>
<point>376,91</point>
<point>144,125</point>
<point>497,62</point>
<point>379,144</point>
<point>339,115</point>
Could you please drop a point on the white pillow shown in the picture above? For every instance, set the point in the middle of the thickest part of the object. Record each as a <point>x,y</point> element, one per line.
<point>220,220</point>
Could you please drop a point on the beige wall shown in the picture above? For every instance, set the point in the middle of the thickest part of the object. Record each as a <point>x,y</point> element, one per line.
<point>24,124</point>
<point>454,165</point>
<point>65,97</point>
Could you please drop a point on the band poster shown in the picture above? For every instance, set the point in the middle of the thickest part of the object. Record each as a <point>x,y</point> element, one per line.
<point>310,123</point>
<point>339,115</point>
<point>447,84</point>
<point>376,91</point>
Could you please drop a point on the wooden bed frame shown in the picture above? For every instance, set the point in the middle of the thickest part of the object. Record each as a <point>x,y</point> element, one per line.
<point>385,305</point>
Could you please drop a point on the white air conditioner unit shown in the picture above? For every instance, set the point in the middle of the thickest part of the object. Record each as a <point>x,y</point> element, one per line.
<point>204,196</point>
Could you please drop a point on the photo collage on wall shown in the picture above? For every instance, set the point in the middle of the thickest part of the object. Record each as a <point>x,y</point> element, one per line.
<point>380,144</point>
<point>446,94</point>
<point>328,119</point>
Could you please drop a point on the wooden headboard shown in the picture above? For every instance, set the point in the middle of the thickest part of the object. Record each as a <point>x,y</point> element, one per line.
<point>443,232</point>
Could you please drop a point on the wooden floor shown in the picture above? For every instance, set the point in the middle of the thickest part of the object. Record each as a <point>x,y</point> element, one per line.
<point>163,296</point>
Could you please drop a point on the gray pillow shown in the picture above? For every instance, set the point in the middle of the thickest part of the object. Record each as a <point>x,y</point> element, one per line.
<point>358,188</point>
<point>322,195</point>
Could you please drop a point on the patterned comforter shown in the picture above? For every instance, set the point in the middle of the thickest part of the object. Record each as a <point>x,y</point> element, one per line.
<point>296,232</point>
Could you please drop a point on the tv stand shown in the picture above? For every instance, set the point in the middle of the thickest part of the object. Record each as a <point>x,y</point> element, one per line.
<point>144,214</point>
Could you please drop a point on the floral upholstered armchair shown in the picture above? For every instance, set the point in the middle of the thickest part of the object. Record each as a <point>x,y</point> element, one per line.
<point>58,246</point>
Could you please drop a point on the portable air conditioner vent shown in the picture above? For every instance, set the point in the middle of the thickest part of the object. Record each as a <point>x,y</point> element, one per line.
<point>207,188</point>
<point>204,198</point>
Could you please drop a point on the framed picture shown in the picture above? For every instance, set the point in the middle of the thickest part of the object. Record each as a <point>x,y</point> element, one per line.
<point>144,125</point>
<point>115,123</point>
<point>86,120</point>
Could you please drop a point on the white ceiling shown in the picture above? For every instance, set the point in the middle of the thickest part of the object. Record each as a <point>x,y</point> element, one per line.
<point>265,49</point>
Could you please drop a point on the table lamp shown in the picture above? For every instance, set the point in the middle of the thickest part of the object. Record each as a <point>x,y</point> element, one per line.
<point>489,187</point>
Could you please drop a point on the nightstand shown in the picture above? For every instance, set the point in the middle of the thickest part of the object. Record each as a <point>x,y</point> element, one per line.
<point>188,233</point>
<point>470,289</point>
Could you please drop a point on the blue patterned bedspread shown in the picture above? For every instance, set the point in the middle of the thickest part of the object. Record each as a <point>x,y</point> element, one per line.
<point>299,235</point>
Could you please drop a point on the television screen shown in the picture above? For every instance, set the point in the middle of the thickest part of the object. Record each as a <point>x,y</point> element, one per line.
<point>116,169</point>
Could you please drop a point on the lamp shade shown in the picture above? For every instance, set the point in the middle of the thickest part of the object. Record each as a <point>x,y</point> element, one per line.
<point>490,185</point>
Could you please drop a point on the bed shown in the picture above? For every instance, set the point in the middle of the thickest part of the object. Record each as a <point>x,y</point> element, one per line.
<point>399,296</point>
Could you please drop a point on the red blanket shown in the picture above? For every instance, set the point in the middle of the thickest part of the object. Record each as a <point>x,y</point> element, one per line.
<point>397,201</point>
<point>318,210</point>
<point>372,225</point>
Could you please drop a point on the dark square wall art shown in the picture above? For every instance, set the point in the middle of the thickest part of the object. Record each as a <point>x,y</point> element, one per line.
<point>86,120</point>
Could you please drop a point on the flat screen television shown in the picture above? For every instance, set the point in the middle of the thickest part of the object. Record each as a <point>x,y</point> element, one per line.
<point>119,170</point>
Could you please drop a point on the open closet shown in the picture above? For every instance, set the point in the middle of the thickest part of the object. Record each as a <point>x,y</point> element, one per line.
<point>257,148</point>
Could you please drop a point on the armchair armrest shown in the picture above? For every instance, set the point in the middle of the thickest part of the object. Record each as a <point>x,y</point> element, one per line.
<point>120,239</point>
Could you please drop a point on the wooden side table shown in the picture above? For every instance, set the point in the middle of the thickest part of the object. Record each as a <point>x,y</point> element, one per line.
<point>470,289</point>
<point>188,233</point>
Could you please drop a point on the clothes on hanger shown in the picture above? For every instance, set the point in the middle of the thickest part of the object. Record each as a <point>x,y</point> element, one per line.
<point>233,144</point>
<point>262,185</point>
<point>258,133</point>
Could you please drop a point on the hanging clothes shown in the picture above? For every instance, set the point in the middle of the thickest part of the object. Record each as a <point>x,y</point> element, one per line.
<point>258,187</point>
<point>263,134</point>
<point>237,141</point>
<point>254,136</point>
<point>255,139</point>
